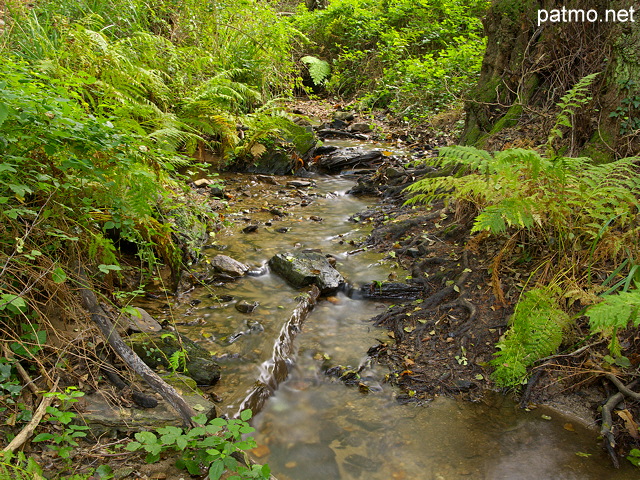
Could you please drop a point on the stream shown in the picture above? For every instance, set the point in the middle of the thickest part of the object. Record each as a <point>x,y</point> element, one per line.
<point>316,427</point>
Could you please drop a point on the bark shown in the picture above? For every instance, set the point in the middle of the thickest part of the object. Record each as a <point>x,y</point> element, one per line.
<point>527,68</point>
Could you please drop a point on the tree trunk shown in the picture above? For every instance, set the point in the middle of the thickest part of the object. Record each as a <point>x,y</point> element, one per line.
<point>529,64</point>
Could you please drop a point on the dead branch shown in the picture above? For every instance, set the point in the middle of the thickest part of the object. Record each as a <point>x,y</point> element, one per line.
<point>606,429</point>
<point>101,319</point>
<point>30,427</point>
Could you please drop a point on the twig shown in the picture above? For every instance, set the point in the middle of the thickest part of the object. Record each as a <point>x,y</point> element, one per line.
<point>606,430</point>
<point>622,388</point>
<point>30,427</point>
<point>28,382</point>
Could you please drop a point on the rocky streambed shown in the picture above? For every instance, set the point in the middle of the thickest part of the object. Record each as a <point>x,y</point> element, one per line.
<point>341,395</point>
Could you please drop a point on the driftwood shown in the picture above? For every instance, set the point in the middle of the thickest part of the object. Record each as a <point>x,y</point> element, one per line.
<point>276,369</point>
<point>389,291</point>
<point>340,161</point>
<point>101,319</point>
<point>30,427</point>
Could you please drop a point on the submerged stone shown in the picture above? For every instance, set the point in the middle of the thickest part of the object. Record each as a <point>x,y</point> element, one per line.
<point>306,268</point>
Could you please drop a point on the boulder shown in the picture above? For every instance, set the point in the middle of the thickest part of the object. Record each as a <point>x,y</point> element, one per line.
<point>229,266</point>
<point>360,128</point>
<point>156,348</point>
<point>343,116</point>
<point>143,322</point>
<point>103,417</point>
<point>306,268</point>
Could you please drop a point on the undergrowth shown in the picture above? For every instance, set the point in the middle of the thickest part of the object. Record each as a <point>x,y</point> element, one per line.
<point>577,222</point>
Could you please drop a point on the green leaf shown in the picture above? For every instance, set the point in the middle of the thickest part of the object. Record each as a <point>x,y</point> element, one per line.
<point>216,469</point>
<point>133,446</point>
<point>4,112</point>
<point>58,275</point>
<point>245,415</point>
<point>43,437</point>
<point>104,471</point>
<point>146,437</point>
<point>107,268</point>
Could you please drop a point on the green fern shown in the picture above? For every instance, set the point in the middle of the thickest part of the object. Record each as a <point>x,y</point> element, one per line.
<point>614,313</point>
<point>537,327</point>
<point>319,70</point>
<point>576,97</point>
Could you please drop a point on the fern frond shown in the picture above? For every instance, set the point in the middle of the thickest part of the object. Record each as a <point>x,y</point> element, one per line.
<point>614,313</point>
<point>537,327</point>
<point>319,70</point>
<point>518,212</point>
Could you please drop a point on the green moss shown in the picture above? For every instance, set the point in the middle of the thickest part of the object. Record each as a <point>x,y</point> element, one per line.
<point>510,119</point>
<point>597,147</point>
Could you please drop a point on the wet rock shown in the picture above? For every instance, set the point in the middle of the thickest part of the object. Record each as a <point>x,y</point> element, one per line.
<point>228,266</point>
<point>244,306</point>
<point>393,172</point>
<point>258,271</point>
<point>250,328</point>
<point>102,416</point>
<point>143,322</point>
<point>360,128</point>
<point>325,149</point>
<point>156,348</point>
<point>315,218</point>
<point>282,229</point>
<point>267,179</point>
<point>344,159</point>
<point>344,116</point>
<point>338,124</point>
<point>299,184</point>
<point>250,229</point>
<point>277,212</point>
<point>306,268</point>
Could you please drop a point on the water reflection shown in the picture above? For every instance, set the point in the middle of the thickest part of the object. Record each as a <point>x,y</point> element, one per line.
<point>315,427</point>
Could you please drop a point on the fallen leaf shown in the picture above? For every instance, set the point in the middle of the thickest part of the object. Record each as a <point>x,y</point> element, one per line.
<point>569,427</point>
<point>629,423</point>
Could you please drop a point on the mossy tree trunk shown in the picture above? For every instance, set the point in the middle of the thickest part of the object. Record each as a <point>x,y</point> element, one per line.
<point>527,68</point>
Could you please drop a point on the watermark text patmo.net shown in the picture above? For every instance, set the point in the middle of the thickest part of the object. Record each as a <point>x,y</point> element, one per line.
<point>569,15</point>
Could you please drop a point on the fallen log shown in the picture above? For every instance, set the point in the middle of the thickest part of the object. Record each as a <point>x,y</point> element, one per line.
<point>275,370</point>
<point>388,291</point>
<point>101,319</point>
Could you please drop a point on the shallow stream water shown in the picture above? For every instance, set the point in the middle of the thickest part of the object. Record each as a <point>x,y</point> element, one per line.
<point>316,427</point>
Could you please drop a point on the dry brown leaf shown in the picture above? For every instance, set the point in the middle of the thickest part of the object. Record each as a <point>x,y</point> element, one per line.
<point>629,423</point>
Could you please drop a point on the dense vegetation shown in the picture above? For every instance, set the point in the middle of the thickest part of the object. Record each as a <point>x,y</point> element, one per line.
<point>101,105</point>
<point>414,58</point>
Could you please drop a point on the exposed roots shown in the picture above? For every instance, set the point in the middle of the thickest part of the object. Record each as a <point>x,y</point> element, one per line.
<point>606,430</point>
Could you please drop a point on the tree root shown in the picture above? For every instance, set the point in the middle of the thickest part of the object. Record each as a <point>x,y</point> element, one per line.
<point>606,430</point>
<point>470,307</point>
<point>457,286</point>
